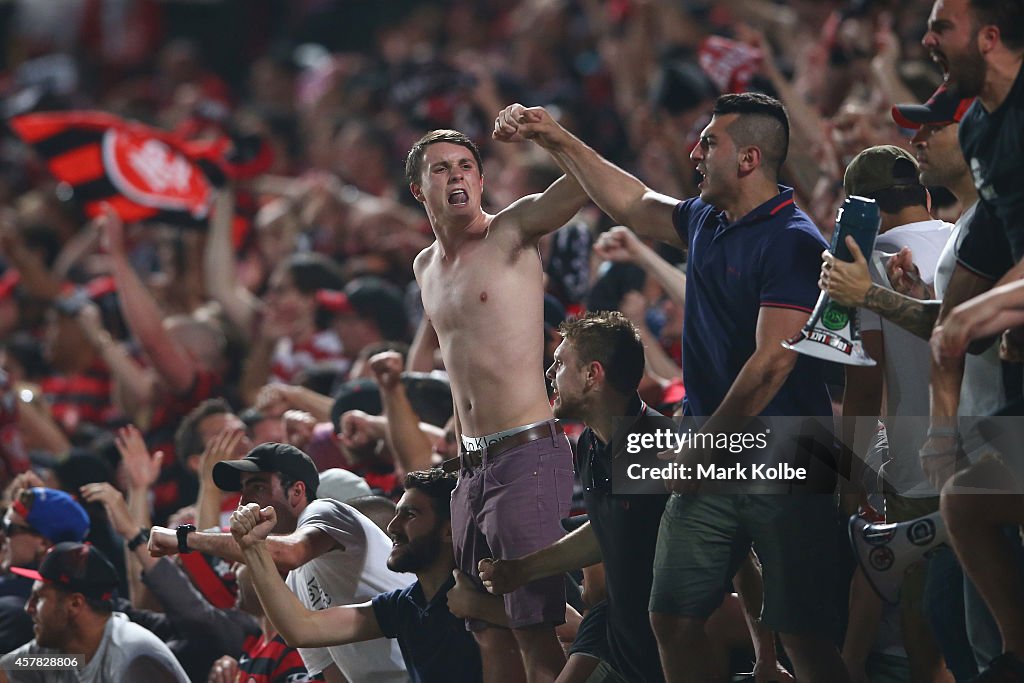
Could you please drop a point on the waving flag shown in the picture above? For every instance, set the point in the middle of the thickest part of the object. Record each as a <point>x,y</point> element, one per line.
<point>143,173</point>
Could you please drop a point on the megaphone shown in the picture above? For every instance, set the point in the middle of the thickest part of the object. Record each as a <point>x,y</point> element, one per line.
<point>886,551</point>
<point>833,331</point>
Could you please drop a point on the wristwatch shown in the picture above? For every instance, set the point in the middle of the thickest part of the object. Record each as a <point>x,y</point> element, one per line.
<point>183,531</point>
<point>138,539</point>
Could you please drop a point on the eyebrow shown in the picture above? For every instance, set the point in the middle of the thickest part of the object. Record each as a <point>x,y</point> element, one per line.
<point>939,25</point>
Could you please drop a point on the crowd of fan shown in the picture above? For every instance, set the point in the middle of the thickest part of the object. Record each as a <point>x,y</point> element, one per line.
<point>141,363</point>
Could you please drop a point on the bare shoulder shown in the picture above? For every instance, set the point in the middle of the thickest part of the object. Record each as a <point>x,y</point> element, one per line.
<point>423,259</point>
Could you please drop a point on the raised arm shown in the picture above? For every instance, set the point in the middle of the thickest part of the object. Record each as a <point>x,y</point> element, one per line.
<point>620,244</point>
<point>238,303</point>
<point>850,284</point>
<point>143,315</point>
<point>412,448</point>
<point>619,194</point>
<point>287,552</point>
<point>300,627</point>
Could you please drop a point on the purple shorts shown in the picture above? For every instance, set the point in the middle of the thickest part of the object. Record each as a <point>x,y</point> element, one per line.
<point>512,506</point>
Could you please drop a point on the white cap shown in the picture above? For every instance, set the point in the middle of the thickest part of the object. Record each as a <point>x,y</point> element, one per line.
<point>342,485</point>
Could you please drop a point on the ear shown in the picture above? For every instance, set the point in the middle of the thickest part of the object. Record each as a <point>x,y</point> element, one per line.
<point>74,603</point>
<point>417,192</point>
<point>988,38</point>
<point>595,374</point>
<point>297,493</point>
<point>192,462</point>
<point>446,532</point>
<point>749,158</point>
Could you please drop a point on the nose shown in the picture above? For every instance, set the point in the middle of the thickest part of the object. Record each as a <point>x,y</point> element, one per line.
<point>929,39</point>
<point>392,527</point>
<point>696,154</point>
<point>920,138</point>
<point>550,373</point>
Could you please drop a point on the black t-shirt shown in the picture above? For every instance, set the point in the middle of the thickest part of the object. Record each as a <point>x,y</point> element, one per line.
<point>626,527</point>
<point>993,145</point>
<point>435,644</point>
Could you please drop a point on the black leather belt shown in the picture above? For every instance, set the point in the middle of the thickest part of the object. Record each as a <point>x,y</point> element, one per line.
<point>473,459</point>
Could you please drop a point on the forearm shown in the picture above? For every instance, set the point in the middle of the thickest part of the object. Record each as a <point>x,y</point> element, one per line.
<point>671,279</point>
<point>914,315</point>
<point>290,617</point>
<point>223,545</point>
<point>758,381</point>
<point>145,320</point>
<point>424,344</point>
<point>573,551</point>
<point>208,503</point>
<point>317,405</point>
<point>138,384</point>
<point>256,369</point>
<point>411,447</point>
<point>39,430</point>
<point>219,266</point>
<point>944,392</point>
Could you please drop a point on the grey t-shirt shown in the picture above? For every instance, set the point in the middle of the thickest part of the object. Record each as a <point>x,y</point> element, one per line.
<point>127,652</point>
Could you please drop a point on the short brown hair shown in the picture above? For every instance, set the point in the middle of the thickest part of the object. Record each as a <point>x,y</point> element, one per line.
<point>609,338</point>
<point>414,161</point>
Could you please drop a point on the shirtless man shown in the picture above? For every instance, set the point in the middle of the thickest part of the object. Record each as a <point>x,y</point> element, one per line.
<point>482,289</point>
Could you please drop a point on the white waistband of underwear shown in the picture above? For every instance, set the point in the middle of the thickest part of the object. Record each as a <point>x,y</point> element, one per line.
<point>478,443</point>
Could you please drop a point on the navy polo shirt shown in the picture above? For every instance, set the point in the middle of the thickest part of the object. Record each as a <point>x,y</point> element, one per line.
<point>435,644</point>
<point>770,257</point>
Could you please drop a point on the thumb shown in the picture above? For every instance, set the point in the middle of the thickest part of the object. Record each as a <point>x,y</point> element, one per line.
<point>855,252</point>
<point>158,458</point>
<point>267,513</point>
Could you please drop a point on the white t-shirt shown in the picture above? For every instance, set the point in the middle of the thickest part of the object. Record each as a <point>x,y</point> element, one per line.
<point>345,577</point>
<point>982,392</point>
<point>127,652</point>
<point>907,357</point>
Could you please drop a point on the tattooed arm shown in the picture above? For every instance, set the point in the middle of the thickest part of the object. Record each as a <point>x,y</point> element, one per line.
<point>914,315</point>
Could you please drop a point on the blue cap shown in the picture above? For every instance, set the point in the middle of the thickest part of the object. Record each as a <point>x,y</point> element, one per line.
<point>55,515</point>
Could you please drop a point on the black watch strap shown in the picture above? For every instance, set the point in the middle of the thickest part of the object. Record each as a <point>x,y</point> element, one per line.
<point>138,539</point>
<point>183,531</point>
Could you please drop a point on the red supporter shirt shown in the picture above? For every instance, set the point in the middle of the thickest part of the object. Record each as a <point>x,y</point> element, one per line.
<point>272,661</point>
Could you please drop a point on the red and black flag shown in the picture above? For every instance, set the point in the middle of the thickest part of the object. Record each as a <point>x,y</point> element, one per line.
<point>143,173</point>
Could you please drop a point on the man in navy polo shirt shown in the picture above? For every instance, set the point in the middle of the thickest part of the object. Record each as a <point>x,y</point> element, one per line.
<point>435,644</point>
<point>751,282</point>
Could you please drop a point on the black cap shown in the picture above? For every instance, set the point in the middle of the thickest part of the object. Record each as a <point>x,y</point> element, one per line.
<point>372,298</point>
<point>78,567</point>
<point>279,458</point>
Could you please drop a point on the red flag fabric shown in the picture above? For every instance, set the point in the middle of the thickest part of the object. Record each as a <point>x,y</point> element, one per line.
<point>144,173</point>
<point>140,171</point>
<point>729,64</point>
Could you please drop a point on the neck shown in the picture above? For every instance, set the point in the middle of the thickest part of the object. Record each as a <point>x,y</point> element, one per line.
<point>963,189</point>
<point>911,214</point>
<point>88,636</point>
<point>452,235</point>
<point>750,195</point>
<point>601,417</point>
<point>999,79</point>
<point>433,577</point>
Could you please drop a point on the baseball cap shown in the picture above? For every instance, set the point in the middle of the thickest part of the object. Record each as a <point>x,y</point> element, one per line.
<point>941,108</point>
<point>78,567</point>
<point>280,458</point>
<point>879,168</point>
<point>54,514</point>
<point>342,485</point>
<point>373,298</point>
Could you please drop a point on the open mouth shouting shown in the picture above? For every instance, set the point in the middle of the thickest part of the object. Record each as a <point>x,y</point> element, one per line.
<point>458,197</point>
